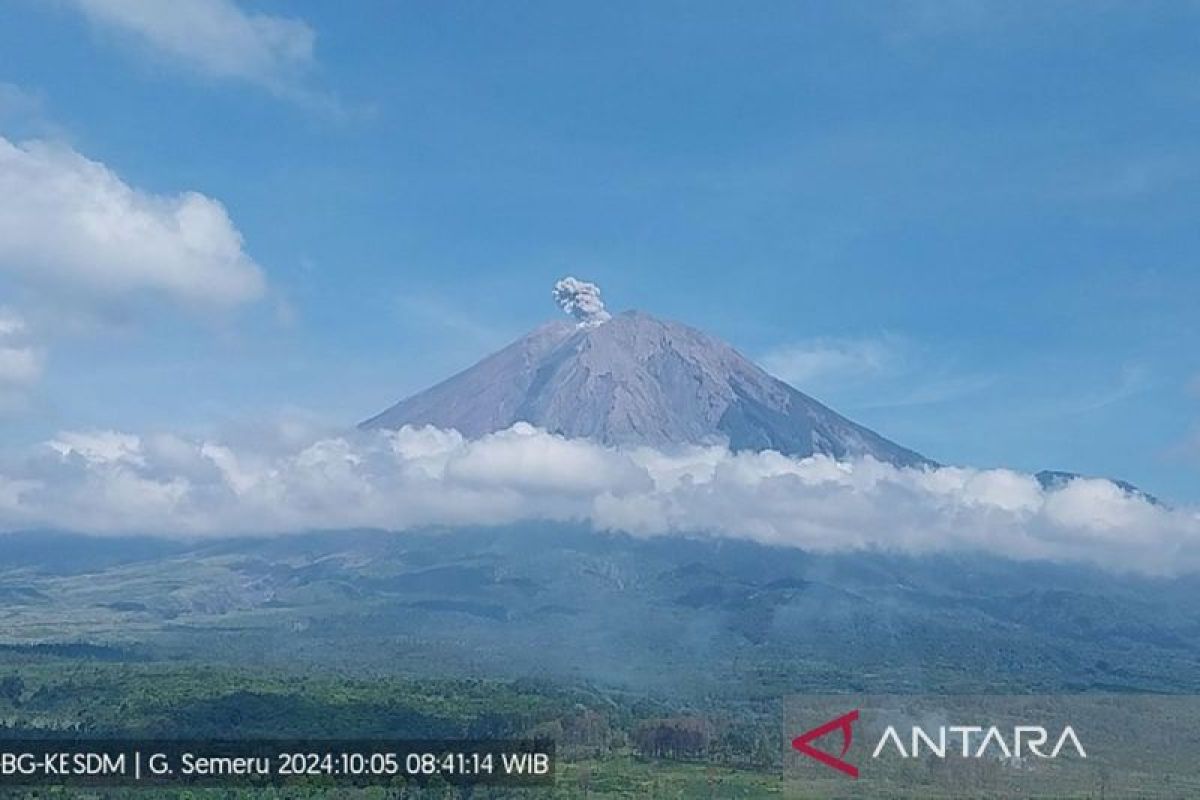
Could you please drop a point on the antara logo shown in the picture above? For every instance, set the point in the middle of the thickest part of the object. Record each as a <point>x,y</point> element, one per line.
<point>1024,738</point>
<point>970,741</point>
<point>845,723</point>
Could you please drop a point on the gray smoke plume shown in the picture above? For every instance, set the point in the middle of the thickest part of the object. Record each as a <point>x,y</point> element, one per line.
<point>582,301</point>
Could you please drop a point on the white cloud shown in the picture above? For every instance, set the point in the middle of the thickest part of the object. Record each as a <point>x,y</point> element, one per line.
<point>20,362</point>
<point>11,325</point>
<point>213,37</point>
<point>80,245</point>
<point>105,482</point>
<point>71,225</point>
<point>99,447</point>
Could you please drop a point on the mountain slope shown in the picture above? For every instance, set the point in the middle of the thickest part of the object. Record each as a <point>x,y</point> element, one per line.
<point>636,380</point>
<point>666,616</point>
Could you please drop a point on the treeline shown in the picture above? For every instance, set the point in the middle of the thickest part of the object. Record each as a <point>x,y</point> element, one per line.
<point>157,701</point>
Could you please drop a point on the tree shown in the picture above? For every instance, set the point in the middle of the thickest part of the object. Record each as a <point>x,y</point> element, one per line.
<point>680,738</point>
<point>11,688</point>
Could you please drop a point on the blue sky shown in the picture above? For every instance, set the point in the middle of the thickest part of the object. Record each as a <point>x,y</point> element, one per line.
<point>970,226</point>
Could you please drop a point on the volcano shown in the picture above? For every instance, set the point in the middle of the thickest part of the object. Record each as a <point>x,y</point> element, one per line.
<point>635,379</point>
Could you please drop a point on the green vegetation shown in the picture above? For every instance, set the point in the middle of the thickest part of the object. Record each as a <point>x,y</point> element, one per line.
<point>608,746</point>
<point>658,666</point>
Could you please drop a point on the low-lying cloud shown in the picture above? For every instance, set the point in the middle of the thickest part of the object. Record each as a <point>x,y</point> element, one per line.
<point>110,482</point>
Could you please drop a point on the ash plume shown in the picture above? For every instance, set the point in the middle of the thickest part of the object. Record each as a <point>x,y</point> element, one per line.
<point>582,301</point>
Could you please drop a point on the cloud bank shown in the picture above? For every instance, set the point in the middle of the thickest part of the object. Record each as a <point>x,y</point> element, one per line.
<point>213,37</point>
<point>111,482</point>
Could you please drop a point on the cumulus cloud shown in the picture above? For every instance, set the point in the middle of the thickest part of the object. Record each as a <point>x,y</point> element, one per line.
<point>397,480</point>
<point>71,225</point>
<point>581,300</point>
<point>213,37</point>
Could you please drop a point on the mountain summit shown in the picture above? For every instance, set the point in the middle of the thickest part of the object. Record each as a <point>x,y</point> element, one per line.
<point>633,379</point>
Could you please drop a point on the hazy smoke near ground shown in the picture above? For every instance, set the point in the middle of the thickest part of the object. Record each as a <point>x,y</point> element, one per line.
<point>581,300</point>
<point>109,482</point>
